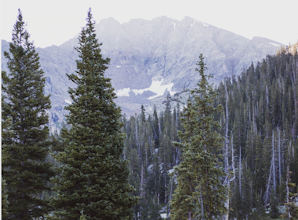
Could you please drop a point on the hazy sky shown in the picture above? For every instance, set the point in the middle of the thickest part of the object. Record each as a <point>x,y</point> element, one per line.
<point>54,22</point>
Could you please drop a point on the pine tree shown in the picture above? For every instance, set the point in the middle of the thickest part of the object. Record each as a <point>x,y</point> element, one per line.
<point>143,116</point>
<point>200,192</point>
<point>292,208</point>
<point>24,145</point>
<point>82,217</point>
<point>94,177</point>
<point>4,198</point>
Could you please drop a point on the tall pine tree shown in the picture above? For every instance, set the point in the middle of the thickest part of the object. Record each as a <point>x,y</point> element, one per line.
<point>94,177</point>
<point>24,145</point>
<point>200,192</point>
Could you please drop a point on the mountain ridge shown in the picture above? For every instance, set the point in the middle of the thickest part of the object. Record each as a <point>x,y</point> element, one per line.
<point>143,52</point>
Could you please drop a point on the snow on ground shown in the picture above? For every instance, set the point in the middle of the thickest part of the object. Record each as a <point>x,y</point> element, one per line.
<point>156,87</point>
<point>171,170</point>
<point>174,25</point>
<point>123,92</point>
<point>150,168</point>
<point>274,44</point>
<point>205,25</point>
<point>163,215</point>
<point>69,102</point>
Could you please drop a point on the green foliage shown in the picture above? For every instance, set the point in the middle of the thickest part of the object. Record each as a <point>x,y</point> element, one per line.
<point>24,118</point>
<point>93,176</point>
<point>292,208</point>
<point>5,202</point>
<point>82,217</point>
<point>263,109</point>
<point>274,213</point>
<point>200,192</point>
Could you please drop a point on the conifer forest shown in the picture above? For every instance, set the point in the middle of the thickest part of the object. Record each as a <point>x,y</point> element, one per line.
<point>228,151</point>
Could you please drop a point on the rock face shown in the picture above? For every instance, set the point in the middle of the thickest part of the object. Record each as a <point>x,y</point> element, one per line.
<point>149,58</point>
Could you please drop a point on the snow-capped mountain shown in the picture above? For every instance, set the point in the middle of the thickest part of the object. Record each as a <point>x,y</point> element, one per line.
<point>151,58</point>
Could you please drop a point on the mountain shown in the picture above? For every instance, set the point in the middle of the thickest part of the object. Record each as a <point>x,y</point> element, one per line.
<point>151,58</point>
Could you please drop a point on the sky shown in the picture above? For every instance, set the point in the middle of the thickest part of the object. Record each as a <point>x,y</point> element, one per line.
<point>56,21</point>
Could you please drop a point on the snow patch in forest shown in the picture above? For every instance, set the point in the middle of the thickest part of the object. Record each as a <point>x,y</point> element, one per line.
<point>123,92</point>
<point>171,171</point>
<point>150,168</point>
<point>274,44</point>
<point>69,102</point>
<point>161,167</point>
<point>163,215</point>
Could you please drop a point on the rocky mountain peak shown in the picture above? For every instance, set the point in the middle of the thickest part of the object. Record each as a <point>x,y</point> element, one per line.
<point>149,58</point>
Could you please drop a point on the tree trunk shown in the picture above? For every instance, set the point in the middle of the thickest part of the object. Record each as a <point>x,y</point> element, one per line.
<point>240,163</point>
<point>268,183</point>
<point>202,206</point>
<point>168,213</point>
<point>279,160</point>
<point>142,180</point>
<point>227,182</point>
<point>137,136</point>
<point>189,215</point>
<point>273,163</point>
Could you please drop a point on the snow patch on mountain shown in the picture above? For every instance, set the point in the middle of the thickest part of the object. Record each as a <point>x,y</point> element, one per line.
<point>123,92</point>
<point>156,87</point>
<point>159,89</point>
<point>174,25</point>
<point>274,44</point>
<point>205,25</point>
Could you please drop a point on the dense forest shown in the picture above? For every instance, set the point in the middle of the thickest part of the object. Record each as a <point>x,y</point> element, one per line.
<point>259,123</point>
<point>104,165</point>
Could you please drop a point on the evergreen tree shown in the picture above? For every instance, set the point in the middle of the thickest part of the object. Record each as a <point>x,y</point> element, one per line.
<point>82,217</point>
<point>4,200</point>
<point>94,177</point>
<point>292,208</point>
<point>274,213</point>
<point>24,145</point>
<point>200,192</point>
<point>143,116</point>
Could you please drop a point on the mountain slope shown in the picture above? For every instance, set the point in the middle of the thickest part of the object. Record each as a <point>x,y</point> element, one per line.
<point>151,57</point>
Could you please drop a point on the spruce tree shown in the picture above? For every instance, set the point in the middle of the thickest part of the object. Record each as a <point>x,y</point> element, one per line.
<point>94,177</point>
<point>24,145</point>
<point>143,116</point>
<point>200,192</point>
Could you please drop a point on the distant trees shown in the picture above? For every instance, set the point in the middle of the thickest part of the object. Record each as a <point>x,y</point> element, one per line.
<point>262,120</point>
<point>200,192</point>
<point>25,130</point>
<point>93,176</point>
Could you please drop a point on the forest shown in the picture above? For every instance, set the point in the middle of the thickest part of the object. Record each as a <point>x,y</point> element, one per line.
<point>259,123</point>
<point>227,152</point>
